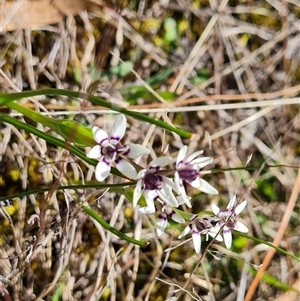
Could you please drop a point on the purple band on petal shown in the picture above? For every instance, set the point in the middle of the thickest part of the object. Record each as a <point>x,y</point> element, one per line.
<point>106,162</point>
<point>162,217</point>
<point>126,152</point>
<point>170,215</point>
<point>179,163</point>
<point>103,140</point>
<point>115,138</point>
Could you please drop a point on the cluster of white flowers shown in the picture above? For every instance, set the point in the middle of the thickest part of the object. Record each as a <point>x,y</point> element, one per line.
<point>162,192</point>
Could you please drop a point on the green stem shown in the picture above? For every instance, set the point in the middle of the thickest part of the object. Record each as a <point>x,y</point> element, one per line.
<point>68,129</point>
<point>73,187</point>
<point>6,98</point>
<point>30,129</point>
<point>55,141</point>
<point>33,115</point>
<point>268,244</point>
<point>104,224</point>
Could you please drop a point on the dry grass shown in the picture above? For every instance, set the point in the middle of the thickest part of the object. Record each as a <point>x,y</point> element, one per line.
<point>247,103</point>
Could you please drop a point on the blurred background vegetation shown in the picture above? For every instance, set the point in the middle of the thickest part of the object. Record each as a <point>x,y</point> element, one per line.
<point>196,55</point>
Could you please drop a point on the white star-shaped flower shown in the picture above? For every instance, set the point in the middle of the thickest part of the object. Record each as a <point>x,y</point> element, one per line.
<point>228,220</point>
<point>201,226</point>
<point>188,170</point>
<point>109,151</point>
<point>155,185</point>
<point>164,214</point>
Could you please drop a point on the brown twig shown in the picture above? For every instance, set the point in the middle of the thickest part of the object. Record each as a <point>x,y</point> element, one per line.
<point>288,92</point>
<point>277,239</point>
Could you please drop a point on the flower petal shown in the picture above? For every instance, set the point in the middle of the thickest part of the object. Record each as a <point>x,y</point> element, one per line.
<point>203,186</point>
<point>99,135</point>
<point>141,174</point>
<point>160,162</point>
<point>150,202</point>
<point>197,241</point>
<point>146,210</point>
<point>161,224</point>
<point>178,182</point>
<point>137,193</point>
<point>126,169</point>
<point>227,237</point>
<point>240,227</point>
<point>184,199</point>
<point>95,152</point>
<point>137,150</point>
<point>213,232</point>
<point>119,128</point>
<point>168,182</point>
<point>167,196</point>
<point>215,209</point>
<point>185,231</point>
<point>194,155</point>
<point>202,162</point>
<point>231,203</point>
<point>102,171</point>
<point>177,218</point>
<point>239,208</point>
<point>181,155</point>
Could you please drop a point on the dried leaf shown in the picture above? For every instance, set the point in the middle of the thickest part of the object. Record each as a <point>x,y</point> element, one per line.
<point>24,14</point>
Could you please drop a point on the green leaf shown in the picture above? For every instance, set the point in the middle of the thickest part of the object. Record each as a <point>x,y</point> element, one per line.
<point>167,95</point>
<point>122,69</point>
<point>68,129</point>
<point>275,283</point>
<point>58,292</point>
<point>159,77</point>
<point>104,224</point>
<point>49,138</point>
<point>6,98</point>
<point>170,27</point>
<point>53,140</point>
<point>97,185</point>
<point>240,242</point>
<point>282,251</point>
<point>202,75</point>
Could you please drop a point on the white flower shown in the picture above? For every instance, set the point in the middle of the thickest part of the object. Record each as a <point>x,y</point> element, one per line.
<point>188,170</point>
<point>184,200</point>
<point>109,150</point>
<point>165,212</point>
<point>200,226</point>
<point>229,221</point>
<point>155,185</point>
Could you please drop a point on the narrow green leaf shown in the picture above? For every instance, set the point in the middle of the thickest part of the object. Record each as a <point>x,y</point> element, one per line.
<point>30,129</point>
<point>69,129</point>
<point>55,141</point>
<point>159,77</point>
<point>97,185</point>
<point>274,282</point>
<point>268,244</point>
<point>104,224</point>
<point>5,98</point>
